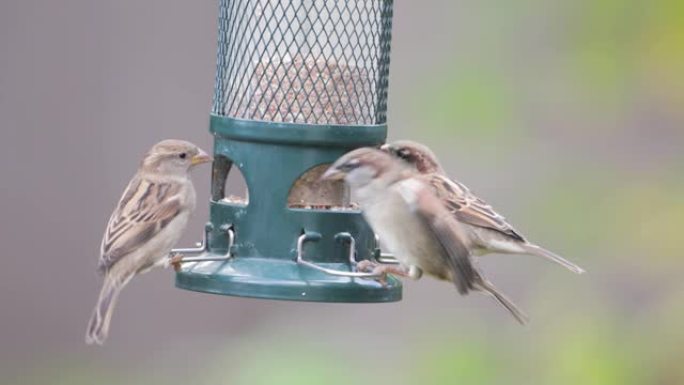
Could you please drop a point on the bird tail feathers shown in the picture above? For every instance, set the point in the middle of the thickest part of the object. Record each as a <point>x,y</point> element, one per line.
<point>519,315</point>
<point>98,326</point>
<point>541,252</point>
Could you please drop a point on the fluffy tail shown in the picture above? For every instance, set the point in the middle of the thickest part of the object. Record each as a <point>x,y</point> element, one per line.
<point>98,326</point>
<point>541,252</point>
<point>489,288</point>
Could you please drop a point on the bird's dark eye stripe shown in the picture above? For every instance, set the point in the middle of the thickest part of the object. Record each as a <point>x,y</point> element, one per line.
<point>350,166</point>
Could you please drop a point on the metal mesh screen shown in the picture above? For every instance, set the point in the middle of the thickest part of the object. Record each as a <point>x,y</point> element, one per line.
<point>304,61</point>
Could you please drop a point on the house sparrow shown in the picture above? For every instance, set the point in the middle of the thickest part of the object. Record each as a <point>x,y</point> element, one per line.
<point>148,221</point>
<point>412,221</point>
<point>487,231</point>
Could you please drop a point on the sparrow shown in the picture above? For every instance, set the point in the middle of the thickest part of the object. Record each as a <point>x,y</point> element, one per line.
<point>404,211</point>
<point>487,231</point>
<point>146,224</point>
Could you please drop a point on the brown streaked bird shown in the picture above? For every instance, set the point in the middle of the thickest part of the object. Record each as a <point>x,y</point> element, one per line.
<point>487,231</point>
<point>412,222</point>
<point>147,222</point>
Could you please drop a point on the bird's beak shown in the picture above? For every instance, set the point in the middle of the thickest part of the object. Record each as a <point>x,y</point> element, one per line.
<point>200,158</point>
<point>385,147</point>
<point>333,173</point>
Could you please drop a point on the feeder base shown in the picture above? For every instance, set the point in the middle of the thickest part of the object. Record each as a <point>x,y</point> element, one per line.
<point>269,278</point>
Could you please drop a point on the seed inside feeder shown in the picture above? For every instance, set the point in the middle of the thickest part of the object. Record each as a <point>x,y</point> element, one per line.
<point>235,200</point>
<point>308,90</point>
<point>309,192</point>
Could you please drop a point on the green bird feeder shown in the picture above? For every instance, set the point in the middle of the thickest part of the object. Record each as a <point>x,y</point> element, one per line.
<point>298,84</point>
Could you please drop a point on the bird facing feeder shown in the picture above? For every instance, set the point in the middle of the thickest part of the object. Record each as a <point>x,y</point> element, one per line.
<point>298,84</point>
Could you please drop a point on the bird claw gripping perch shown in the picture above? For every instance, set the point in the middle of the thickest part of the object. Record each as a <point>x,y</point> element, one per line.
<point>199,254</point>
<point>340,237</point>
<point>383,269</point>
<point>175,260</point>
<point>358,269</point>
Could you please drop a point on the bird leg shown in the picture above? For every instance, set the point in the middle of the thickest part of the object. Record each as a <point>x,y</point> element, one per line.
<point>175,260</point>
<point>382,270</point>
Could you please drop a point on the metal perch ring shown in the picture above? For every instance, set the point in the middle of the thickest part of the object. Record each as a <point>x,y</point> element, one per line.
<point>314,237</point>
<point>203,248</point>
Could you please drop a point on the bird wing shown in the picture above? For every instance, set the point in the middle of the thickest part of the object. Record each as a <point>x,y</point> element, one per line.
<point>470,209</point>
<point>144,210</point>
<point>430,209</point>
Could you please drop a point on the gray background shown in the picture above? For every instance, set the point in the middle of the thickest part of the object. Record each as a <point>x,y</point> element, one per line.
<point>87,86</point>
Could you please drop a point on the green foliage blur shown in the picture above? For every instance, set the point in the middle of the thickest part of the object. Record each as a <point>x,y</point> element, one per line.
<point>576,107</point>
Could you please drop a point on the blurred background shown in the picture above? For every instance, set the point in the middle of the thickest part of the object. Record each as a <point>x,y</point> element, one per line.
<point>566,115</point>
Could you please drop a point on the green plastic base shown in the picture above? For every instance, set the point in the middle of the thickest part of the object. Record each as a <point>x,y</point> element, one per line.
<point>284,280</point>
<point>271,157</point>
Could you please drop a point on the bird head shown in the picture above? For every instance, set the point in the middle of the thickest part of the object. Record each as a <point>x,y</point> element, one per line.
<point>174,157</point>
<point>414,154</point>
<point>363,166</point>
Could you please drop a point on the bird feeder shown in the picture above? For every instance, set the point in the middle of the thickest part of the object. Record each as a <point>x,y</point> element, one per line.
<point>298,84</point>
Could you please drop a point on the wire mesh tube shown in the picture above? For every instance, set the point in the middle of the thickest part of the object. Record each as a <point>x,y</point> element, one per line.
<point>298,84</point>
<point>304,61</point>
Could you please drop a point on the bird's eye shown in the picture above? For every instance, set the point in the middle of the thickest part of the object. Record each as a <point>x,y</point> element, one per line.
<point>352,164</point>
<point>404,154</point>
<point>182,155</point>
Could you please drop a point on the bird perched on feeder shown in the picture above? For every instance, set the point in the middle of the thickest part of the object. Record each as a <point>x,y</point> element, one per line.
<point>413,223</point>
<point>147,222</point>
<point>487,231</point>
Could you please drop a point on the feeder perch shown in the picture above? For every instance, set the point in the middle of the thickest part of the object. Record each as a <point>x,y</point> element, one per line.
<point>298,84</point>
